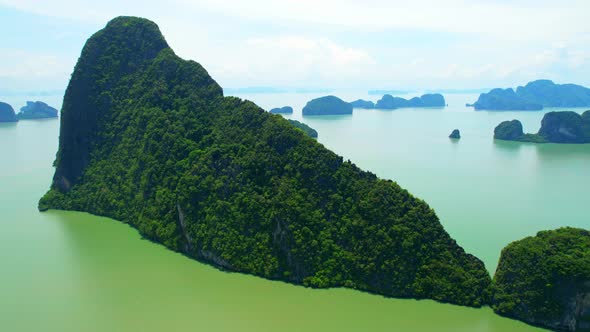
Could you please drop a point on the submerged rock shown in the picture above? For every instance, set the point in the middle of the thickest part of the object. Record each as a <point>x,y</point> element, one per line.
<point>282,110</point>
<point>455,134</point>
<point>328,105</point>
<point>545,280</point>
<point>7,113</point>
<point>36,110</point>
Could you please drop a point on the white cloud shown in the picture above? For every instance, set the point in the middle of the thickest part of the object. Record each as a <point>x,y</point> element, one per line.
<point>290,60</point>
<point>524,20</point>
<point>307,43</point>
<point>514,20</point>
<point>18,64</point>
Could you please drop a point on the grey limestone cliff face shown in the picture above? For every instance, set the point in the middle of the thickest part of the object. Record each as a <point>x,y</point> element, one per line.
<point>575,298</point>
<point>566,127</point>
<point>544,280</point>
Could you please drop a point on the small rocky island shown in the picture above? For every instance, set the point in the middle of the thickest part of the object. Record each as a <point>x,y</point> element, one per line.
<point>36,110</point>
<point>534,96</point>
<point>328,105</point>
<point>427,100</point>
<point>556,127</point>
<point>305,128</point>
<point>7,113</point>
<point>363,104</point>
<point>544,280</point>
<point>456,134</point>
<point>282,110</point>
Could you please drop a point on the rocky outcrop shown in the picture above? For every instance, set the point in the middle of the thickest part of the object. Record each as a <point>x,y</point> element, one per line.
<point>36,110</point>
<point>328,105</point>
<point>556,127</point>
<point>509,131</point>
<point>566,127</point>
<point>427,100</point>
<point>455,134</point>
<point>282,110</point>
<point>544,280</point>
<point>363,104</point>
<point>534,96</point>
<point>7,113</point>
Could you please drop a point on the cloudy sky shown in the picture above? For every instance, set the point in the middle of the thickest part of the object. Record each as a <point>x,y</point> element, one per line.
<point>369,44</point>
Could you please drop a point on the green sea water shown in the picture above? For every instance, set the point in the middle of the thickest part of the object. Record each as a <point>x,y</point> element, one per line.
<point>69,271</point>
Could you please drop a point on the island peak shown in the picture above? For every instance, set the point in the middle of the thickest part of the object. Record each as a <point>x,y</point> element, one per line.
<point>7,113</point>
<point>328,105</point>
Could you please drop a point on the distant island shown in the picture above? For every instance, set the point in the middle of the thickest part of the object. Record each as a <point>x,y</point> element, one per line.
<point>7,113</point>
<point>36,110</point>
<point>534,96</point>
<point>225,182</point>
<point>282,110</point>
<point>390,92</point>
<point>455,134</point>
<point>544,280</point>
<point>305,128</point>
<point>364,104</point>
<point>427,100</point>
<point>254,90</point>
<point>556,127</point>
<point>328,105</point>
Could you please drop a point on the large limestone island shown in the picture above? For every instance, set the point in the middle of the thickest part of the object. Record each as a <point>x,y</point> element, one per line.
<point>36,110</point>
<point>7,113</point>
<point>328,105</point>
<point>534,96</point>
<point>545,280</point>
<point>305,128</point>
<point>556,127</point>
<point>282,110</point>
<point>149,139</point>
<point>427,100</point>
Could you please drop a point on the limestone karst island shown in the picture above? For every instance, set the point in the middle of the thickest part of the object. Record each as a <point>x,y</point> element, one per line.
<point>262,166</point>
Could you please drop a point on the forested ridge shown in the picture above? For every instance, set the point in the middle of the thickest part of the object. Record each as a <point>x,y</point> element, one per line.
<point>148,138</point>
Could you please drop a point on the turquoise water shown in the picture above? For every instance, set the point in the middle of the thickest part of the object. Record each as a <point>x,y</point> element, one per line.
<point>67,271</point>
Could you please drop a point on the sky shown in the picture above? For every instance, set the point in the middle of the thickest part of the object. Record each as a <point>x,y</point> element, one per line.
<point>321,44</point>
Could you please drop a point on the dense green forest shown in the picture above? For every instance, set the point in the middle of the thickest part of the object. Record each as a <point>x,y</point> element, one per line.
<point>543,280</point>
<point>148,138</point>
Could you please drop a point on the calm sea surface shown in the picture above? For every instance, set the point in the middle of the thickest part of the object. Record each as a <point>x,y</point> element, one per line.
<point>67,271</point>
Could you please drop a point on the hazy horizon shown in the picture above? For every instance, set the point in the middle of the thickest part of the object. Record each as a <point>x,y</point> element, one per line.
<point>333,45</point>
